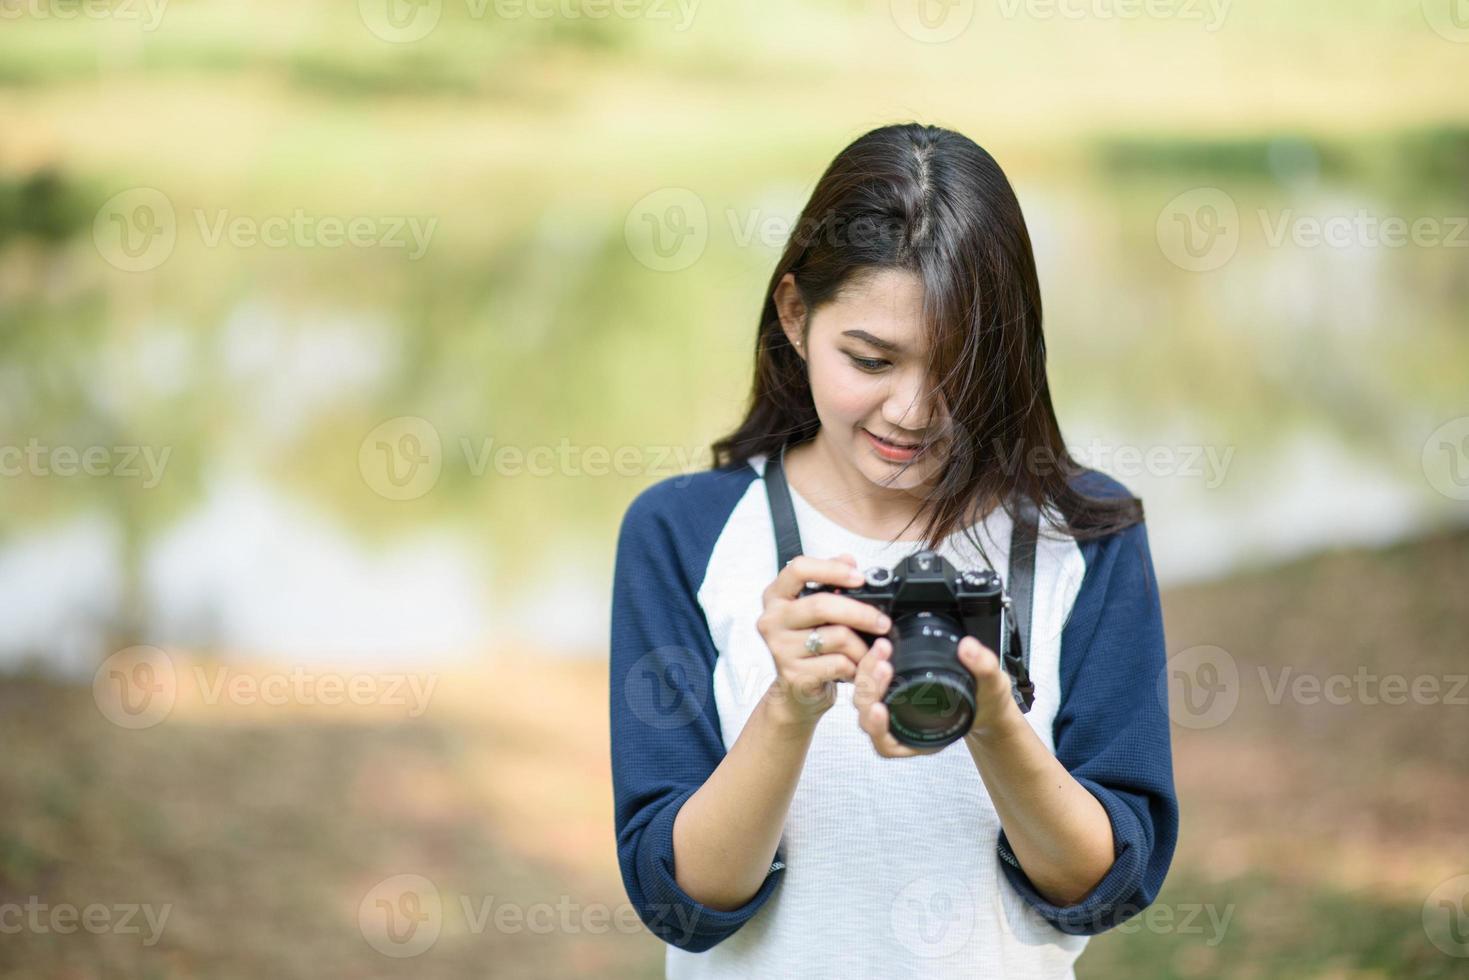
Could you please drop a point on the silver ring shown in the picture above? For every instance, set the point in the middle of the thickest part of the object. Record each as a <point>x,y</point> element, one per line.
<point>814,641</point>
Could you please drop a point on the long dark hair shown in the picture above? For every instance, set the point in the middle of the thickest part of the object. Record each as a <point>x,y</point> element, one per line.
<point>931,201</point>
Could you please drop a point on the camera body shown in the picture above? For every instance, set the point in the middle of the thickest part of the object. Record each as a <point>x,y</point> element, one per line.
<point>932,606</point>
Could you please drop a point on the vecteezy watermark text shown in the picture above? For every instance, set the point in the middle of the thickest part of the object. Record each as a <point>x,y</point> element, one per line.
<point>1211,13</point>
<point>403,457</point>
<point>568,459</point>
<point>1200,230</point>
<point>406,21</point>
<point>137,230</point>
<point>139,686</point>
<point>149,13</point>
<point>146,463</point>
<point>119,918</point>
<point>403,915</point>
<point>1208,463</point>
<point>1202,686</point>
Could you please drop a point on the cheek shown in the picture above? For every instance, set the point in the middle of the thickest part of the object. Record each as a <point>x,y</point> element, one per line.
<point>843,394</point>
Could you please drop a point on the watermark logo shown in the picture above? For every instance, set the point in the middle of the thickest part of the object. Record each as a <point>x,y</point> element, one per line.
<point>1199,687</point>
<point>667,230</point>
<point>400,21</point>
<point>136,688</point>
<point>401,458</point>
<point>1446,459</point>
<point>932,21</point>
<point>1199,229</point>
<point>136,230</point>
<point>1448,18</point>
<point>401,916</point>
<point>667,688</point>
<point>933,916</point>
<point>1446,916</point>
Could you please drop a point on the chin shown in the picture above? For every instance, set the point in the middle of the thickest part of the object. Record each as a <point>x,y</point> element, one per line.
<point>887,475</point>
<point>910,480</point>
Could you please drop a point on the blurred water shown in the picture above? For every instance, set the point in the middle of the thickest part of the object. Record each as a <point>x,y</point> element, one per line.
<point>250,573</point>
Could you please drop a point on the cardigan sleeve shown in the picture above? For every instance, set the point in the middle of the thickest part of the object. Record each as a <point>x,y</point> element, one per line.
<point>1112,732</point>
<point>665,733</point>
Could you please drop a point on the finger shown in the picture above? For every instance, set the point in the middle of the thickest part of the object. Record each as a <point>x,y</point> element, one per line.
<point>810,682</point>
<point>982,663</point>
<point>803,568</point>
<point>880,679</point>
<point>827,667</point>
<point>837,640</point>
<point>866,685</point>
<point>882,737</point>
<point>827,607</point>
<point>873,682</point>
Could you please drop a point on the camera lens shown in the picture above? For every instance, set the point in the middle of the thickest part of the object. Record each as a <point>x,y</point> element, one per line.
<point>931,698</point>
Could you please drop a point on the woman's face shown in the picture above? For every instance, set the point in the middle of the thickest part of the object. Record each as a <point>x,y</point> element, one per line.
<point>866,357</point>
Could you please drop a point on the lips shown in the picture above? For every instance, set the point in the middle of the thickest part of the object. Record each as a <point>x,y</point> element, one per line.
<point>894,443</point>
<point>893,451</point>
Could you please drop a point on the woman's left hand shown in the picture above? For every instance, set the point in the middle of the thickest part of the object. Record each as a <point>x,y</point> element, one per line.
<point>992,697</point>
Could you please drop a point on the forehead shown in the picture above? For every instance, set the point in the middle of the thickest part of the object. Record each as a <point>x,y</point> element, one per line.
<point>886,305</point>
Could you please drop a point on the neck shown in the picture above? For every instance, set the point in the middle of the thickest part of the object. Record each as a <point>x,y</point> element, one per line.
<point>827,475</point>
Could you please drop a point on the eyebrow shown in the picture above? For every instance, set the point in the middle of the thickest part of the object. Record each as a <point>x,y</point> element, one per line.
<point>878,342</point>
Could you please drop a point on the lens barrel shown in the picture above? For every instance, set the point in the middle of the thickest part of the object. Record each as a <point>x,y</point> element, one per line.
<point>931,698</point>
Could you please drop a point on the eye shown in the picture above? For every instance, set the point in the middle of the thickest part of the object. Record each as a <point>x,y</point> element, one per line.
<point>869,364</point>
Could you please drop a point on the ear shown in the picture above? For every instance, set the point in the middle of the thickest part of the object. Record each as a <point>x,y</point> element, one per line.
<point>792,311</point>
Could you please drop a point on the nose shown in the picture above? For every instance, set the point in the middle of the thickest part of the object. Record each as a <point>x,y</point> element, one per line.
<point>907,410</point>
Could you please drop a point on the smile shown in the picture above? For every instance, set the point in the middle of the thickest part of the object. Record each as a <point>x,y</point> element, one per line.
<point>892,451</point>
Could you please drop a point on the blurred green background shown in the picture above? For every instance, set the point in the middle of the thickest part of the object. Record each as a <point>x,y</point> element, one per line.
<point>371,318</point>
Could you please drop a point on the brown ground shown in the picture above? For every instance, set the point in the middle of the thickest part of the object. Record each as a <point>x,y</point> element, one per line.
<point>1320,829</point>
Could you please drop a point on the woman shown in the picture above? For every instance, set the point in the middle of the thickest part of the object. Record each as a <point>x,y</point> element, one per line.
<point>768,821</point>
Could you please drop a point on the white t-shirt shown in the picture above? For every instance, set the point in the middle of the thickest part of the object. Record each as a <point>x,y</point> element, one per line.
<point>886,867</point>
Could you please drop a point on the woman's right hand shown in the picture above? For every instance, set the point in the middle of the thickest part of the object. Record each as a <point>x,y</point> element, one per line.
<point>805,683</point>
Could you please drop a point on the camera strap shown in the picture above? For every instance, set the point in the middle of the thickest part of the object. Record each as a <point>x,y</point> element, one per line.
<point>1020,585</point>
<point>782,511</point>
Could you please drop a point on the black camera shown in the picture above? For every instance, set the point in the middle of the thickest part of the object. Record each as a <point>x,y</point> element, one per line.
<point>932,606</point>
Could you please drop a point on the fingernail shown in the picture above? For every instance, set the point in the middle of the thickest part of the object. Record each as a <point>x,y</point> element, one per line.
<point>884,624</point>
